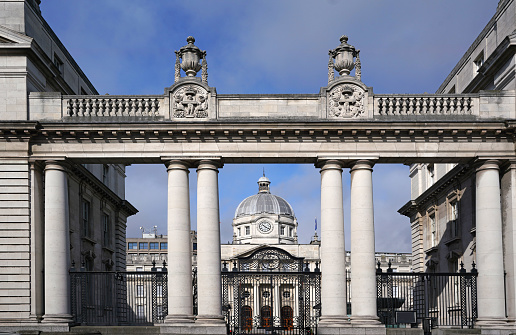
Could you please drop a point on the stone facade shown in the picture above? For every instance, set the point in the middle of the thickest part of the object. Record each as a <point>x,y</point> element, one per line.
<point>54,122</point>
<point>449,200</point>
<point>34,62</point>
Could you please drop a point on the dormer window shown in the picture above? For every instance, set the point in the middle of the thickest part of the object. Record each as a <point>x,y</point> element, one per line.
<point>58,63</point>
<point>478,62</point>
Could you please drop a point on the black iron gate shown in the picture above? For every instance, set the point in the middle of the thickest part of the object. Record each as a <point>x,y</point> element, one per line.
<point>119,297</point>
<point>271,292</point>
<point>429,299</point>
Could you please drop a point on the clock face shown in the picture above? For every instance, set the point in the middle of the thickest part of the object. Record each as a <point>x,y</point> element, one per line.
<point>265,226</point>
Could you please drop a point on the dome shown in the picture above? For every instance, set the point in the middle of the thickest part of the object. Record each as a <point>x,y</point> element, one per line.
<point>264,202</point>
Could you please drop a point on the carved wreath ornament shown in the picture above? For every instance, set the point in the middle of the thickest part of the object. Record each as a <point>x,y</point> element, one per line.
<point>346,101</point>
<point>190,101</point>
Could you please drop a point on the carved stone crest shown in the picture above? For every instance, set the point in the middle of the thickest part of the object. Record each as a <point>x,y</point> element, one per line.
<point>190,101</point>
<point>346,101</point>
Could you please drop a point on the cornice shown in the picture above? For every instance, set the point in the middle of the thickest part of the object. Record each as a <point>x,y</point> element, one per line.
<point>102,189</point>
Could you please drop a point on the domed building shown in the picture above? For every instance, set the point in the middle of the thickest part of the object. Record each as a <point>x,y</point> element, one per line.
<point>264,218</point>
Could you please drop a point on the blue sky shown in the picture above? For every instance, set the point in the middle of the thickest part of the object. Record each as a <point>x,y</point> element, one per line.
<point>407,46</point>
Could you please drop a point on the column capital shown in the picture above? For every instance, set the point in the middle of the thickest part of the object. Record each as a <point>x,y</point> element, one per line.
<point>177,164</point>
<point>61,165</point>
<point>362,164</point>
<point>330,164</point>
<point>210,164</point>
<point>487,164</point>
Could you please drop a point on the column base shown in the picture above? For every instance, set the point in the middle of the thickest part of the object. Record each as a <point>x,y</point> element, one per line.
<point>210,319</point>
<point>334,321</point>
<point>179,318</point>
<point>491,323</point>
<point>57,318</point>
<point>193,328</point>
<point>366,321</point>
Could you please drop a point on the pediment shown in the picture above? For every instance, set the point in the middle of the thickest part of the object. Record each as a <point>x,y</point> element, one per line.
<point>9,36</point>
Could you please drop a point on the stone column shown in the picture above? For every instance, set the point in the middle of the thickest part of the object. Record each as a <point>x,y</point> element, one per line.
<point>180,293</point>
<point>209,285</point>
<point>36,242</point>
<point>57,244</point>
<point>489,252</point>
<point>508,185</point>
<point>363,272</point>
<point>333,254</point>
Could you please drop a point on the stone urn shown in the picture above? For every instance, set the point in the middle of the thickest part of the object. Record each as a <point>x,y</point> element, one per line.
<point>344,56</point>
<point>191,56</point>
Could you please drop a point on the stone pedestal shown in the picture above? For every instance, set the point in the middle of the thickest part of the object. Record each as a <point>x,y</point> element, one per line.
<point>180,302</point>
<point>489,251</point>
<point>57,245</point>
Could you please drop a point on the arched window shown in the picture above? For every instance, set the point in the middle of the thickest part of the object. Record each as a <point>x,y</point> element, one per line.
<point>266,316</point>
<point>247,318</point>
<point>287,317</point>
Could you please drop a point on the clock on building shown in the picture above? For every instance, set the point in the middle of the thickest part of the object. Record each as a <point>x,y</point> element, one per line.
<point>265,226</point>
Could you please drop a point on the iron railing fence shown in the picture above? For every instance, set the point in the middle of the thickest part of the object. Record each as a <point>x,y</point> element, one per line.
<point>119,298</point>
<point>430,299</point>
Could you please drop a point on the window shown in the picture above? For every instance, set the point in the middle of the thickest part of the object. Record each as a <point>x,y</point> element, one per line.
<point>248,230</point>
<point>159,290</point>
<point>282,230</point>
<point>478,62</point>
<point>164,245</point>
<point>239,232</point>
<point>132,245</point>
<point>144,245</point>
<point>85,219</point>
<point>290,232</point>
<point>105,174</point>
<point>139,268</point>
<point>194,246</point>
<point>454,219</point>
<point>431,174</point>
<point>433,231</point>
<point>154,245</point>
<point>107,230</point>
<point>286,294</point>
<point>140,311</point>
<point>58,63</point>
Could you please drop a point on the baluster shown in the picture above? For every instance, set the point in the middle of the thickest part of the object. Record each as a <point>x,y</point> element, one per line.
<point>401,106</point>
<point>395,105</point>
<point>454,105</point>
<point>154,106</point>
<point>427,105</point>
<point>81,108</point>
<point>147,107</point>
<point>121,109</point>
<point>109,107</point>
<point>380,106</point>
<point>407,106</point>
<point>89,107</point>
<point>448,105</point>
<point>469,102</point>
<point>441,105</point>
<point>421,105</point>
<point>69,111</point>
<point>127,110</point>
<point>387,106</point>
<point>462,103</point>
<point>102,105</point>
<point>415,105</point>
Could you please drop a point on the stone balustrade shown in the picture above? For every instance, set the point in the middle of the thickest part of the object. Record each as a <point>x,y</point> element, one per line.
<point>482,105</point>
<point>427,104</point>
<point>113,106</point>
